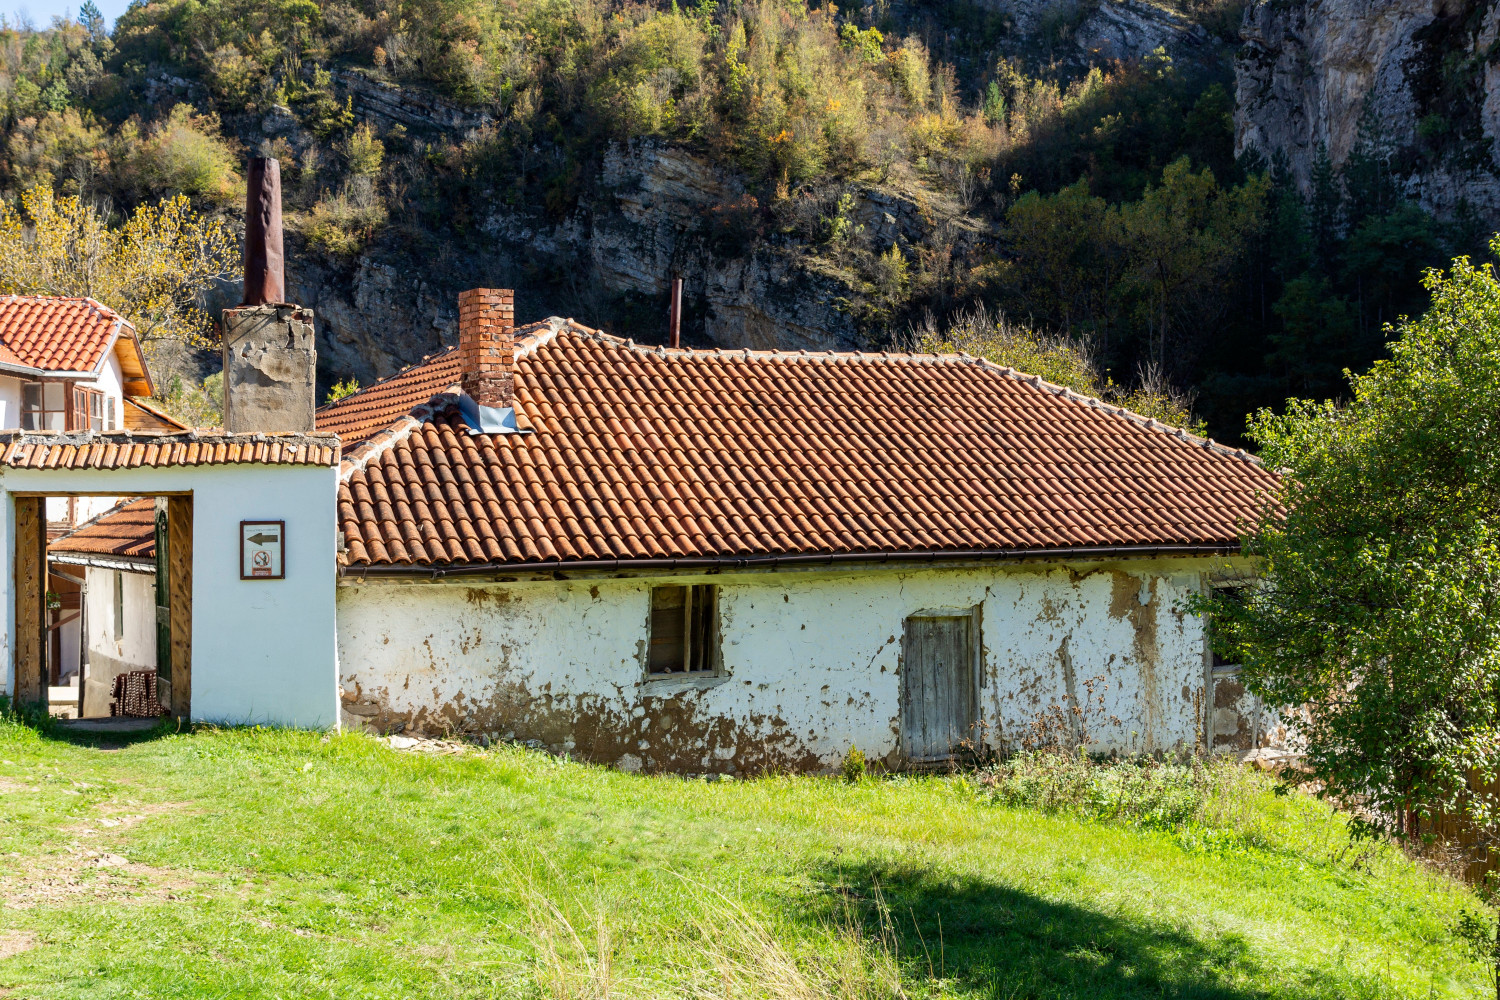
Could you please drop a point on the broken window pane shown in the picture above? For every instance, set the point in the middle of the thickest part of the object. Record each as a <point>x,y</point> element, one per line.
<point>684,630</point>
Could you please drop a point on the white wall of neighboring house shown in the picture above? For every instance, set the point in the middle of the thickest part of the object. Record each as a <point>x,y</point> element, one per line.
<point>135,649</point>
<point>811,661</point>
<point>263,650</point>
<point>10,402</point>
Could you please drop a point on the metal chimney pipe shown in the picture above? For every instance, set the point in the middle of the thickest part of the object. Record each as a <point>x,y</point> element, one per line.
<point>674,319</point>
<point>265,260</point>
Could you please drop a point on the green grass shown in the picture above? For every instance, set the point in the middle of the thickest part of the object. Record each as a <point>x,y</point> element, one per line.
<point>282,864</point>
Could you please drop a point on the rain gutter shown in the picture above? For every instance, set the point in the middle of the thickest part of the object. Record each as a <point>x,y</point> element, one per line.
<point>778,561</point>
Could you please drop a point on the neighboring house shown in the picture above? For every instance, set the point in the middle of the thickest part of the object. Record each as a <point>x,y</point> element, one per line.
<point>71,364</point>
<point>112,559</point>
<point>724,561</point>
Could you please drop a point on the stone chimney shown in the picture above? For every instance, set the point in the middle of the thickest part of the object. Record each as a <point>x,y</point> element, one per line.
<point>270,357</point>
<point>486,354</point>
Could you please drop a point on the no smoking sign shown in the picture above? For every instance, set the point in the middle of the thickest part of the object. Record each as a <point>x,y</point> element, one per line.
<point>261,547</point>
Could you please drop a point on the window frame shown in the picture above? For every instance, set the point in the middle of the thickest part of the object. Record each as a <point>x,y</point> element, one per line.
<point>119,605</point>
<point>700,654</point>
<point>1216,666</point>
<point>86,407</point>
<point>64,407</point>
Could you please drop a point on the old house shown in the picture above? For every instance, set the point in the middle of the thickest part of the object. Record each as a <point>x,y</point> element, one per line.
<point>660,558</point>
<point>734,560</point>
<point>112,559</point>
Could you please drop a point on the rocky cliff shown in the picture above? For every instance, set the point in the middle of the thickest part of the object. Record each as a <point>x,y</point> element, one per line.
<point>651,212</point>
<point>1416,83</point>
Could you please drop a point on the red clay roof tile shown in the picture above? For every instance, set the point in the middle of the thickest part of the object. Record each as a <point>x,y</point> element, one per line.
<point>136,449</point>
<point>128,530</point>
<point>642,452</point>
<point>56,334</point>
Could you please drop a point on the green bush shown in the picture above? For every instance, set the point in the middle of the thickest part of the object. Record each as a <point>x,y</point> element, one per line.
<point>344,223</point>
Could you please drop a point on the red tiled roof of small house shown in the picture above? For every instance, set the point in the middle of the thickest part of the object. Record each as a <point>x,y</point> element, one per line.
<point>629,452</point>
<point>61,334</point>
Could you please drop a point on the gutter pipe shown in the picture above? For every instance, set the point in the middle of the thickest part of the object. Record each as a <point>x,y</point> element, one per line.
<point>435,573</point>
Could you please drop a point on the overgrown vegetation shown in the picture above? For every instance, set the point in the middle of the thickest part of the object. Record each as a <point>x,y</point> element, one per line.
<point>266,863</point>
<point>1100,200</point>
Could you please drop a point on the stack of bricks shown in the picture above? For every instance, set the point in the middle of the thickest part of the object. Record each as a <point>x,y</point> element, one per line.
<point>486,347</point>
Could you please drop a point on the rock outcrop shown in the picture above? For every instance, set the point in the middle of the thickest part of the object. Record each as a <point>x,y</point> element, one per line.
<point>1104,29</point>
<point>1415,82</point>
<point>655,212</point>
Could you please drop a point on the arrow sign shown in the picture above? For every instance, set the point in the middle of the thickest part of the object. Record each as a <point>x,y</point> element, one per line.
<point>261,543</point>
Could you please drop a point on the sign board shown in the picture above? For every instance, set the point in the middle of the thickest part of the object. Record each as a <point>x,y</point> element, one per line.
<point>261,546</point>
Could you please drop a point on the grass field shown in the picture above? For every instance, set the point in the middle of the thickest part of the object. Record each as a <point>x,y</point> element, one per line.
<point>255,863</point>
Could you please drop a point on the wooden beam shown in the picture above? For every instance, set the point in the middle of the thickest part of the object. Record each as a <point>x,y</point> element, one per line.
<point>180,598</point>
<point>31,598</point>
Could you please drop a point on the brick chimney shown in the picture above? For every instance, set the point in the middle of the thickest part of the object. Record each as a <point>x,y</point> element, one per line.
<point>486,351</point>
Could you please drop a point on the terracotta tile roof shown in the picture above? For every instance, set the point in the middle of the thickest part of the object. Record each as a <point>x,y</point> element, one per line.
<point>127,530</point>
<point>140,449</point>
<point>644,453</point>
<point>376,407</point>
<point>57,334</point>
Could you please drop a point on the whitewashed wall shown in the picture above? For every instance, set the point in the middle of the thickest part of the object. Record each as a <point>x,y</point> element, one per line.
<point>136,647</point>
<point>263,650</point>
<point>10,402</point>
<point>812,660</point>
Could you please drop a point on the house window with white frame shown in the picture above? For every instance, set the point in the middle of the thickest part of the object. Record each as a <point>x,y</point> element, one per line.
<point>684,631</point>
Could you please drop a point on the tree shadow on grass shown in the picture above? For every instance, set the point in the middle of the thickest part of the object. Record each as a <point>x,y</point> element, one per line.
<point>992,940</point>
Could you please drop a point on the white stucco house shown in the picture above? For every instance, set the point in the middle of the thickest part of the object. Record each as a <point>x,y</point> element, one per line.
<point>703,561</point>
<point>112,557</point>
<point>726,561</point>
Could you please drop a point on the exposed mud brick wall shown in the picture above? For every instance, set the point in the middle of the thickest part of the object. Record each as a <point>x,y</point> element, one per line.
<point>811,662</point>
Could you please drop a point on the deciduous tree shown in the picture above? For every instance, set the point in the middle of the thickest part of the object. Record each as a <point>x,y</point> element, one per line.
<point>152,269</point>
<point>1379,603</point>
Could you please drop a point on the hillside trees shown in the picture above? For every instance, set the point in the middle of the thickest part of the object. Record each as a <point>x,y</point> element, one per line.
<point>152,268</point>
<point>1379,607</point>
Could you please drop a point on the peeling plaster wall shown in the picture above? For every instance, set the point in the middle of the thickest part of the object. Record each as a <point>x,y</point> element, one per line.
<point>811,661</point>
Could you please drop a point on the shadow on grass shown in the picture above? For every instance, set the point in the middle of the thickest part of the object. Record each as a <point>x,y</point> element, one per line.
<point>992,940</point>
<point>109,733</point>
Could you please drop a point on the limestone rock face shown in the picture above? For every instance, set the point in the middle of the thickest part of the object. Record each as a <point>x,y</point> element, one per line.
<point>1105,29</point>
<point>1130,29</point>
<point>1415,81</point>
<point>652,216</point>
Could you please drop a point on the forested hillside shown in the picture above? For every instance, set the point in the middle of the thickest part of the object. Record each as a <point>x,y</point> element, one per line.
<point>820,176</point>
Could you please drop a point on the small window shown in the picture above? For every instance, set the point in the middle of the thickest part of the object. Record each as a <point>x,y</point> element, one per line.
<point>44,406</point>
<point>1237,593</point>
<point>88,410</point>
<point>684,631</point>
<point>119,605</point>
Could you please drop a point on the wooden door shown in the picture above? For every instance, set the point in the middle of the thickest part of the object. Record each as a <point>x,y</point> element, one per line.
<point>939,687</point>
<point>163,606</point>
<point>31,602</point>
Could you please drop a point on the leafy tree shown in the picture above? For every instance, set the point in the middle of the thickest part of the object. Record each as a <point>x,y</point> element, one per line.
<point>1379,603</point>
<point>1185,235</point>
<point>152,269</point>
<point>1058,359</point>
